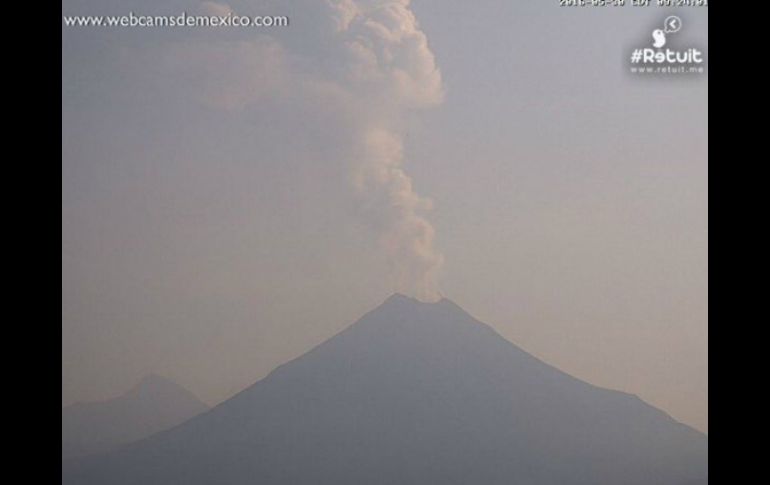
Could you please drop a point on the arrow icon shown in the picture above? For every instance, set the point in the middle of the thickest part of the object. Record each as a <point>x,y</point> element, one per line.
<point>672,24</point>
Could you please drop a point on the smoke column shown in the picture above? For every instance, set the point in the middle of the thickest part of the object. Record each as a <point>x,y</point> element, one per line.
<point>366,61</point>
<point>392,72</point>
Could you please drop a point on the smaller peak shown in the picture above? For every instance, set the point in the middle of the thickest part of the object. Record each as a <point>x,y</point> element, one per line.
<point>155,386</point>
<point>153,379</point>
<point>153,382</point>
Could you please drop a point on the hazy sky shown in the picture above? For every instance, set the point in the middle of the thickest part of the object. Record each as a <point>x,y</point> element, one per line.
<point>212,228</point>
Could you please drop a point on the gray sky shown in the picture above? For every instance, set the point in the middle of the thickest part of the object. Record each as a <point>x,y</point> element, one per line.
<point>211,230</point>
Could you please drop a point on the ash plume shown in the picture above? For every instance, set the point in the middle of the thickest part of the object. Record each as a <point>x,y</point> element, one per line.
<point>367,64</point>
<point>394,72</point>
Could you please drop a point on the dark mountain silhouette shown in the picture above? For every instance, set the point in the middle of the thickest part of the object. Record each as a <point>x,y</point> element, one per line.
<point>415,393</point>
<point>155,404</point>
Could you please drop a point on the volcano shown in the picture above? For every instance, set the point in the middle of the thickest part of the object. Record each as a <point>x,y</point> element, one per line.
<point>415,393</point>
<point>153,405</point>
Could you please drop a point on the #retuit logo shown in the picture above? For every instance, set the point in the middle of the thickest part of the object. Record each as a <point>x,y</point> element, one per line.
<point>661,58</point>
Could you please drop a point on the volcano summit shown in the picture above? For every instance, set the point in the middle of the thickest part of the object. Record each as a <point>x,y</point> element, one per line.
<point>415,393</point>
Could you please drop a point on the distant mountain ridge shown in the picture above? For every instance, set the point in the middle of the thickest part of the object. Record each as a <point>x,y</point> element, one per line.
<point>153,405</point>
<point>415,393</point>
